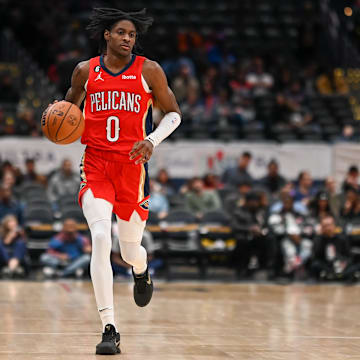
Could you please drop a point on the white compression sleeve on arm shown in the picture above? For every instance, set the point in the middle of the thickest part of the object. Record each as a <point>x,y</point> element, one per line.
<point>167,125</point>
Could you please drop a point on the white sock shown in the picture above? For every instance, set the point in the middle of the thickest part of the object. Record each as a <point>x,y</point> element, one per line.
<point>130,236</point>
<point>98,215</point>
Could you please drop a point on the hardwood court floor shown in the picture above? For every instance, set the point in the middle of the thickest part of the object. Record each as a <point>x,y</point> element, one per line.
<point>197,321</point>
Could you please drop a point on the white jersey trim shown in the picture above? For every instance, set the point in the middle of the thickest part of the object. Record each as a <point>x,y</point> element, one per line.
<point>145,85</point>
<point>85,85</point>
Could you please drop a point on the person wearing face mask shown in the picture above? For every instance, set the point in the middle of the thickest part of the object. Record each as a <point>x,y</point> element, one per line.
<point>68,253</point>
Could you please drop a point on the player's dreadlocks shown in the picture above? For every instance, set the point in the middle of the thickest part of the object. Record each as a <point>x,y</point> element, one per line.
<point>103,19</point>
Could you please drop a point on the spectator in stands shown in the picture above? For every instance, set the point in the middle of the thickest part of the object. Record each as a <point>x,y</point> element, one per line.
<point>68,253</point>
<point>185,82</point>
<point>198,200</point>
<point>289,227</point>
<point>273,181</point>
<point>158,204</point>
<point>8,179</point>
<point>243,110</point>
<point>236,198</point>
<point>305,190</point>
<point>163,179</point>
<point>332,257</point>
<point>352,179</point>
<point>296,249</point>
<point>319,208</point>
<point>192,109</point>
<point>334,197</point>
<point>233,176</point>
<point>299,115</point>
<point>286,202</point>
<point>12,248</point>
<point>63,182</point>
<point>239,85</point>
<point>260,81</point>
<point>348,134</point>
<point>351,206</point>
<point>212,182</point>
<point>249,223</point>
<point>8,93</point>
<point>26,124</point>
<point>31,175</point>
<point>10,206</point>
<point>7,166</point>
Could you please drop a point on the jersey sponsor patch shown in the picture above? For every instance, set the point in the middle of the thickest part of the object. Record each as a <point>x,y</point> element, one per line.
<point>129,77</point>
<point>97,68</point>
<point>145,204</point>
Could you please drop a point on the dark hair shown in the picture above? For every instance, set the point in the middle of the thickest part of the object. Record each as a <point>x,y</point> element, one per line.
<point>314,203</point>
<point>353,169</point>
<point>246,154</point>
<point>302,174</point>
<point>103,19</point>
<point>273,162</point>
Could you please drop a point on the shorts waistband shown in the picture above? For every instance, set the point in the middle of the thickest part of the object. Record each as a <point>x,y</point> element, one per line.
<point>108,155</point>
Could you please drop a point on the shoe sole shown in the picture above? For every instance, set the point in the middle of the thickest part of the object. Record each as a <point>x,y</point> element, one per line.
<point>107,350</point>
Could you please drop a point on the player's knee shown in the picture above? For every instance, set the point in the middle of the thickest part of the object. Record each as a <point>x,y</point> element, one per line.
<point>99,236</point>
<point>129,257</point>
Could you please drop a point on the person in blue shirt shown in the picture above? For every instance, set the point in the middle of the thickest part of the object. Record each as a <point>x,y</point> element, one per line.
<point>12,248</point>
<point>8,205</point>
<point>68,252</point>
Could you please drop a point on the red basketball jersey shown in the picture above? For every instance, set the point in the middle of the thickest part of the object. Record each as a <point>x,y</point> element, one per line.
<point>118,107</point>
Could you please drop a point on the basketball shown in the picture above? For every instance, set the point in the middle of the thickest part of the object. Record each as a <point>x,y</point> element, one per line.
<point>62,123</point>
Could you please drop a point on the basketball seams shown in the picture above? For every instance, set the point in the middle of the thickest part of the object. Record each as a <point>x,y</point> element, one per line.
<point>47,117</point>
<point>57,131</point>
<point>79,122</point>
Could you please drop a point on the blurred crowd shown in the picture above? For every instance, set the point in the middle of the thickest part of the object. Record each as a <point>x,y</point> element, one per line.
<point>217,85</point>
<point>279,228</point>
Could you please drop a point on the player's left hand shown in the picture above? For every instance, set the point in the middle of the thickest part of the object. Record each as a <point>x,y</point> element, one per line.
<point>141,150</point>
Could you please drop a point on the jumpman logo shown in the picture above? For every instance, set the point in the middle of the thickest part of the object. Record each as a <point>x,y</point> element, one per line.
<point>99,77</point>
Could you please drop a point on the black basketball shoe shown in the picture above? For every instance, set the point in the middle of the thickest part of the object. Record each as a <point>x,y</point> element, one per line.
<point>110,342</point>
<point>143,288</point>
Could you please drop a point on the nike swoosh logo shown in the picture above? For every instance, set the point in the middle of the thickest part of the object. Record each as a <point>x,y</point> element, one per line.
<point>148,280</point>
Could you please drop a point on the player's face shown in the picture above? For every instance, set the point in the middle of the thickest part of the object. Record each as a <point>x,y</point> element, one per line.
<point>122,37</point>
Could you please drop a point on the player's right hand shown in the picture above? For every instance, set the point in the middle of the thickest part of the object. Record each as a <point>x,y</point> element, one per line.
<point>141,150</point>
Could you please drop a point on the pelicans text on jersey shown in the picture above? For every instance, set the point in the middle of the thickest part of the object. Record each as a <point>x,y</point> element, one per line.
<point>118,107</point>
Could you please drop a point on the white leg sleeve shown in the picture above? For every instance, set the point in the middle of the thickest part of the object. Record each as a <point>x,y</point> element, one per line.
<point>130,236</point>
<point>98,215</point>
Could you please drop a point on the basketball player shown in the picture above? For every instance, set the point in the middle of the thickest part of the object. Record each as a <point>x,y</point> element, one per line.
<point>119,88</point>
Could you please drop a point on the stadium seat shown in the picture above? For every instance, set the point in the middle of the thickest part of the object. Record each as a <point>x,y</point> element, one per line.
<point>180,242</point>
<point>73,212</point>
<point>66,201</point>
<point>38,225</point>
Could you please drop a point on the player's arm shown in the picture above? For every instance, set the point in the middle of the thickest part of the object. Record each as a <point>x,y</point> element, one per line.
<point>77,91</point>
<point>156,80</point>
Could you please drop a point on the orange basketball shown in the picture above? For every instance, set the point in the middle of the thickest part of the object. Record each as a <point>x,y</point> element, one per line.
<point>62,122</point>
